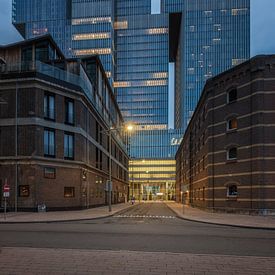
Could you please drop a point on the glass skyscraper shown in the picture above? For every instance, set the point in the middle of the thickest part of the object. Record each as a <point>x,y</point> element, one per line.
<point>157,55</point>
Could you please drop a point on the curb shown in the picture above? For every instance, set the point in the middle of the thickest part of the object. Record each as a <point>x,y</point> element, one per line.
<point>221,224</point>
<point>69,220</point>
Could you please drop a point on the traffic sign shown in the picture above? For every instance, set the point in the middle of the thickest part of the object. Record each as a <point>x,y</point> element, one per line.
<point>6,194</point>
<point>6,188</point>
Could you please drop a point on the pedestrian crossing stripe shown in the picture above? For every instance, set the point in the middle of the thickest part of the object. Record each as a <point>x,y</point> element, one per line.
<point>145,216</point>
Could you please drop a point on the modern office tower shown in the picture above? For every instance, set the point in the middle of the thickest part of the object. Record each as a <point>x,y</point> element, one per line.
<point>157,54</point>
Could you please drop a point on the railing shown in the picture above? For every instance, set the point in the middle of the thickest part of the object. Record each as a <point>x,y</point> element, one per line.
<point>81,81</point>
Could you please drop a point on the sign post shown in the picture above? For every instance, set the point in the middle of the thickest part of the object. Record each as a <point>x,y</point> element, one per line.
<point>6,194</point>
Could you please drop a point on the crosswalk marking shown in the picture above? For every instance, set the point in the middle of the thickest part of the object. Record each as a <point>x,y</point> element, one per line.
<point>145,216</point>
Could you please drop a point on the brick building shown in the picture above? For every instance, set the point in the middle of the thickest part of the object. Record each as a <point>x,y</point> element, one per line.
<point>54,119</point>
<point>226,160</point>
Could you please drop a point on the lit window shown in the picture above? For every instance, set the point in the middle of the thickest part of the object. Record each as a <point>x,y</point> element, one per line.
<point>216,40</point>
<point>157,31</point>
<point>232,124</point>
<point>232,190</point>
<point>232,96</point>
<point>191,28</point>
<point>160,75</point>
<point>241,11</point>
<point>91,36</point>
<point>91,20</point>
<point>121,25</point>
<point>92,51</point>
<point>232,153</point>
<point>24,191</point>
<point>69,192</point>
<point>236,61</point>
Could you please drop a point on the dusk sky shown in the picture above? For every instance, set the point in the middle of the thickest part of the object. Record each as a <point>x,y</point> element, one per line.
<point>262,26</point>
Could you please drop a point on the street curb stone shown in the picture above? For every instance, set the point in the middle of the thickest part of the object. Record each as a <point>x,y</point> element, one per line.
<point>221,224</point>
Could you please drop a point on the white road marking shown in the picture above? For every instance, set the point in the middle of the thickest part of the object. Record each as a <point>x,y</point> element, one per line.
<point>145,216</point>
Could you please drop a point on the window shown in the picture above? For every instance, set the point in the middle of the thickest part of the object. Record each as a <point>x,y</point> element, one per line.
<point>69,192</point>
<point>69,111</point>
<point>49,173</point>
<point>232,153</point>
<point>49,142</point>
<point>232,190</point>
<point>24,190</point>
<point>68,146</point>
<point>155,6</point>
<point>232,124</point>
<point>49,106</point>
<point>232,96</point>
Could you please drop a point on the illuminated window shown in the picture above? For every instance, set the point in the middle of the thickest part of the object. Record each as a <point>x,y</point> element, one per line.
<point>91,20</point>
<point>160,75</point>
<point>69,192</point>
<point>237,61</point>
<point>24,190</point>
<point>216,39</point>
<point>241,11</point>
<point>191,28</point>
<point>91,36</point>
<point>146,83</point>
<point>232,124</point>
<point>92,51</point>
<point>157,31</point>
<point>120,25</point>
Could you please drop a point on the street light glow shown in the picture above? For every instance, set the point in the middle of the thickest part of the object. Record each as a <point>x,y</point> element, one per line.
<point>129,127</point>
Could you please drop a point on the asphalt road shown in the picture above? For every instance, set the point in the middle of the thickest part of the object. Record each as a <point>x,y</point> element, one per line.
<point>148,227</point>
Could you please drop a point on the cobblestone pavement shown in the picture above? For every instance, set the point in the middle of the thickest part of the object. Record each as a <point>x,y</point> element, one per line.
<point>74,261</point>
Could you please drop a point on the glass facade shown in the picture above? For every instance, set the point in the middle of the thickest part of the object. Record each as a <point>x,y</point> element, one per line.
<point>133,39</point>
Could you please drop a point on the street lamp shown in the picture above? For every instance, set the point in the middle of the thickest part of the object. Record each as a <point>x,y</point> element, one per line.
<point>128,128</point>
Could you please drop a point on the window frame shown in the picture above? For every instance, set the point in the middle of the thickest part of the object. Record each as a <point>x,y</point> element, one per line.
<point>47,111</point>
<point>49,130</point>
<point>20,191</point>
<point>228,153</point>
<point>68,134</point>
<point>67,115</point>
<point>228,193</point>
<point>228,95</point>
<point>72,188</point>
<point>228,123</point>
<point>50,177</point>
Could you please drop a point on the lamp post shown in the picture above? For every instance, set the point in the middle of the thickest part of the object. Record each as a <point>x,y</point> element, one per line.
<point>128,128</point>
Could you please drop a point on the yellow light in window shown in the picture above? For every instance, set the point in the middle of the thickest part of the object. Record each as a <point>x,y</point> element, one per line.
<point>121,25</point>
<point>90,36</point>
<point>157,31</point>
<point>121,84</point>
<point>92,51</point>
<point>91,20</point>
<point>160,75</point>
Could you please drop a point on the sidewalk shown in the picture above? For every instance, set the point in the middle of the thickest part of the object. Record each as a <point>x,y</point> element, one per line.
<point>248,221</point>
<point>53,216</point>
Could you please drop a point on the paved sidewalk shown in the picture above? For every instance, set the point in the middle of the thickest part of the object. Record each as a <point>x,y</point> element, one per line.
<point>194,214</point>
<point>51,216</point>
<point>16,260</point>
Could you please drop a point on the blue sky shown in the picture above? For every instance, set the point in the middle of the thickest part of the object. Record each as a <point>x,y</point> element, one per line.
<point>262,26</point>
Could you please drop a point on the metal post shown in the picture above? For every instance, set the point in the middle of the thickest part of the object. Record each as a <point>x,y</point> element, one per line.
<point>16,150</point>
<point>5,208</point>
<point>110,172</point>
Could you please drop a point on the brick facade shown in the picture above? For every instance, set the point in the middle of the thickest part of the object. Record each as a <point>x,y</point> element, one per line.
<point>226,160</point>
<point>58,181</point>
